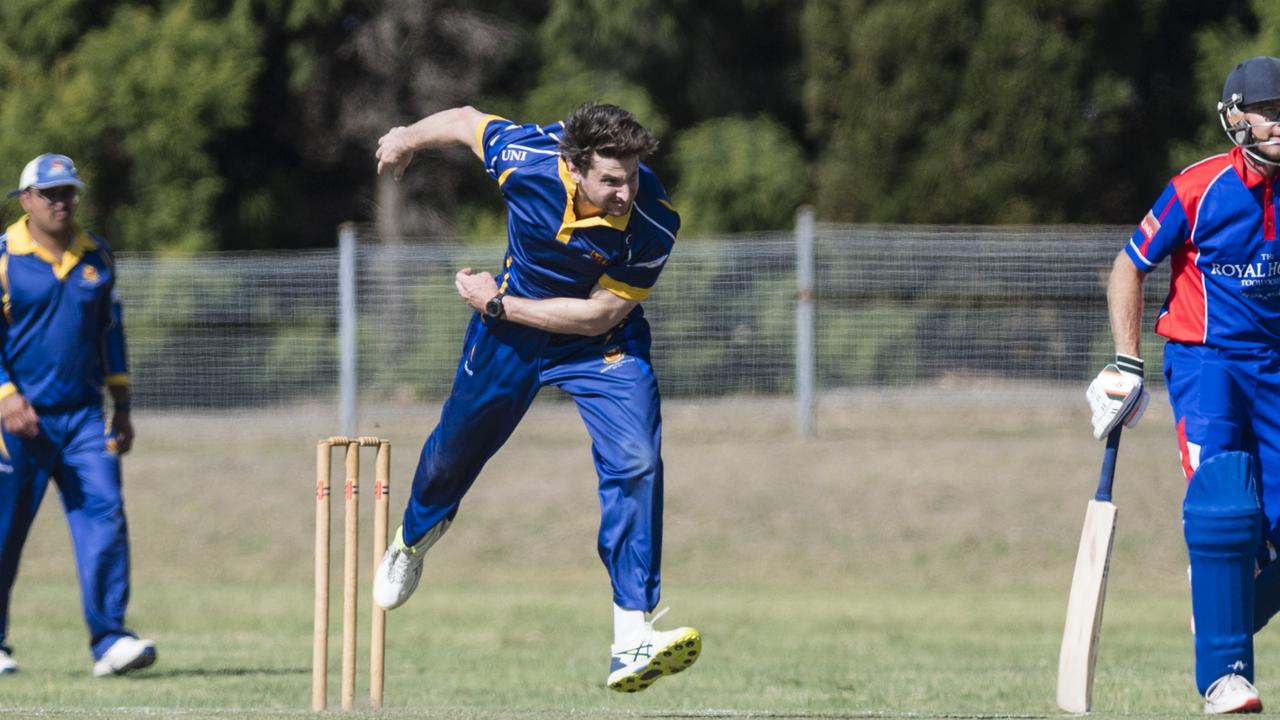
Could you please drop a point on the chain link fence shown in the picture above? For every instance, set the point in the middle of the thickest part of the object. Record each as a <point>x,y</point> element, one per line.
<point>895,307</point>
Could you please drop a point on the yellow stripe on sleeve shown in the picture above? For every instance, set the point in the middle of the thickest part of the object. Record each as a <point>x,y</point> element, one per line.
<point>118,380</point>
<point>623,290</point>
<point>484,123</point>
<point>8,389</point>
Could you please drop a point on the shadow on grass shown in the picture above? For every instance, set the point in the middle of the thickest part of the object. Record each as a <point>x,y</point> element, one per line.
<point>217,672</point>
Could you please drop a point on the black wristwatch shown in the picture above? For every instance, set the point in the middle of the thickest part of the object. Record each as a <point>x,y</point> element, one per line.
<point>494,309</point>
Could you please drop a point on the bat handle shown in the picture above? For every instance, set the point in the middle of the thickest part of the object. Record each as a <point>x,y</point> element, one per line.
<point>1108,466</point>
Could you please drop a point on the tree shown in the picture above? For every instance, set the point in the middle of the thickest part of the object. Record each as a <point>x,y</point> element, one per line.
<point>697,59</point>
<point>738,175</point>
<point>690,71</point>
<point>250,123</point>
<point>982,111</point>
<point>114,89</point>
<point>1248,32</point>
<point>399,61</point>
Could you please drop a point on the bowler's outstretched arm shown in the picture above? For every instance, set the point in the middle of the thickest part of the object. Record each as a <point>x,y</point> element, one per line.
<point>455,126</point>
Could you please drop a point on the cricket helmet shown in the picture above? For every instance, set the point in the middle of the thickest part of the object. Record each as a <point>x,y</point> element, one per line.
<point>1253,81</point>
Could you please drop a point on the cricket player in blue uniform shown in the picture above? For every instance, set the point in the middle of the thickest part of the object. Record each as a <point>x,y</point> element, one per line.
<point>1216,224</point>
<point>61,341</point>
<point>590,229</point>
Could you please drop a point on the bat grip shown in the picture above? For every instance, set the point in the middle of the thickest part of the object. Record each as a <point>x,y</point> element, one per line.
<point>1108,466</point>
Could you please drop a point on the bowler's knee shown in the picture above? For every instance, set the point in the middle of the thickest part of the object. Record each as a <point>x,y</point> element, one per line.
<point>636,461</point>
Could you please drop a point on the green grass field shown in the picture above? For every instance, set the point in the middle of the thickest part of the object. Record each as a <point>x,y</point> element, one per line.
<point>912,561</point>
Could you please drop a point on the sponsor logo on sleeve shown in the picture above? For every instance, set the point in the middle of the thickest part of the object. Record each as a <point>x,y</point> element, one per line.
<point>1150,226</point>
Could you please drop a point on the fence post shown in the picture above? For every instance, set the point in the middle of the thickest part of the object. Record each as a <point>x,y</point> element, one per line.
<point>804,321</point>
<point>347,390</point>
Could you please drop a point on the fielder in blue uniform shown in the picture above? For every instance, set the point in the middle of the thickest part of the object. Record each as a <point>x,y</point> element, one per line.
<point>61,341</point>
<point>1215,223</point>
<point>590,229</point>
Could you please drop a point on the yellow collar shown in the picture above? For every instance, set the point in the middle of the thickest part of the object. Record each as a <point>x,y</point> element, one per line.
<point>21,243</point>
<point>571,221</point>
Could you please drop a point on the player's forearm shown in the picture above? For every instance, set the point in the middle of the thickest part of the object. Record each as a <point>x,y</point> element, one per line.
<point>568,316</point>
<point>1124,302</point>
<point>456,126</point>
<point>119,395</point>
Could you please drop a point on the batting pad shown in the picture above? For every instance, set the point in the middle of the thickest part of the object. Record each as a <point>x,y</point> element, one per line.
<point>1220,520</point>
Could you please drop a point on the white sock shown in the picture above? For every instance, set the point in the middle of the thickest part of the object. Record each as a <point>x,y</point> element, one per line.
<point>627,624</point>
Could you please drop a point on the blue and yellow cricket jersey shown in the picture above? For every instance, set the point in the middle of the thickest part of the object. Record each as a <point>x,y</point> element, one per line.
<point>552,252</point>
<point>61,333</point>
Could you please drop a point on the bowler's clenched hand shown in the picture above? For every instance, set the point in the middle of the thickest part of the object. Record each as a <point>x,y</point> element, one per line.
<point>19,417</point>
<point>477,288</point>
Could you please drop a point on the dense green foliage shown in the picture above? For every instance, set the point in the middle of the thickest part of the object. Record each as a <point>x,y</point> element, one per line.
<point>767,167</point>
<point>136,96</point>
<point>225,124</point>
<point>992,111</point>
<point>1221,47</point>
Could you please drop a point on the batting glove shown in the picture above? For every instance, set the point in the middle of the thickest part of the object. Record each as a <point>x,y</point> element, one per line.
<point>1117,395</point>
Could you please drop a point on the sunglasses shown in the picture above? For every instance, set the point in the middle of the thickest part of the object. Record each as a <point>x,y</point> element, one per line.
<point>65,194</point>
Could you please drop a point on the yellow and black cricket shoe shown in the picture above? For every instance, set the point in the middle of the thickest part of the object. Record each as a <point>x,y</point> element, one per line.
<point>637,665</point>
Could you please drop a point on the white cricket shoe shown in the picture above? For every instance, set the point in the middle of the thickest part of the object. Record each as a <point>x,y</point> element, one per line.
<point>401,567</point>
<point>8,665</point>
<point>653,654</point>
<point>1231,694</point>
<point>124,656</point>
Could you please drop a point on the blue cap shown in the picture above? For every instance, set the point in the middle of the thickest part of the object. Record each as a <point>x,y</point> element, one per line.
<point>48,170</point>
<point>1253,81</point>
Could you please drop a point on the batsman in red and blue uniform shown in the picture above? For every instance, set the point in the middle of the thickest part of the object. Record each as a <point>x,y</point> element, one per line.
<point>61,341</point>
<point>590,229</point>
<point>1215,224</point>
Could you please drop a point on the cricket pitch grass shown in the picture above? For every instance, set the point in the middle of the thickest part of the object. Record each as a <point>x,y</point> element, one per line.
<point>911,561</point>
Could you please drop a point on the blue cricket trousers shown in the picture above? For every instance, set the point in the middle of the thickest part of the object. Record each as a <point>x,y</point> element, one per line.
<point>71,450</point>
<point>503,366</point>
<point>1229,401</point>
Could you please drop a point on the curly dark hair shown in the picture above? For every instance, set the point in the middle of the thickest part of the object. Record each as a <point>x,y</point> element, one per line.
<point>607,130</point>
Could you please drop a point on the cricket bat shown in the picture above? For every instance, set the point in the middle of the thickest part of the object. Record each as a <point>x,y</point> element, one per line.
<point>1088,591</point>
